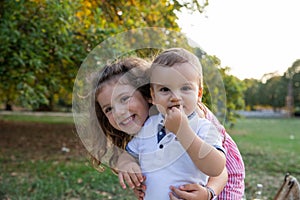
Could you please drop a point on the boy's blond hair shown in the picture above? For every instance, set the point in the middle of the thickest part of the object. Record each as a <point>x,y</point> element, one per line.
<point>173,56</point>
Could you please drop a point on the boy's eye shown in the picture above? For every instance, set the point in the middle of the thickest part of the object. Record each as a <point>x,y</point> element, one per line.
<point>164,89</point>
<point>186,88</point>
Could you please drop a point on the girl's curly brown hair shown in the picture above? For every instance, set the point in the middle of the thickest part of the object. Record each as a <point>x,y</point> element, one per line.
<point>106,140</point>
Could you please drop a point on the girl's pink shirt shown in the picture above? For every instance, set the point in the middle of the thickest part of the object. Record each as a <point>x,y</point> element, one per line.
<point>234,189</point>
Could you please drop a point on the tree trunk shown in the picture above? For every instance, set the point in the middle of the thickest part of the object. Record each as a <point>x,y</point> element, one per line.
<point>8,107</point>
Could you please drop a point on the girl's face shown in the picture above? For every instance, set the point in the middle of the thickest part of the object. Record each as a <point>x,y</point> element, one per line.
<point>176,86</point>
<point>124,106</point>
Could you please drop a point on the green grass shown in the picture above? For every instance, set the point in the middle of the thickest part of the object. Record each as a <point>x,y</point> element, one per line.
<point>59,180</point>
<point>38,118</point>
<point>270,148</point>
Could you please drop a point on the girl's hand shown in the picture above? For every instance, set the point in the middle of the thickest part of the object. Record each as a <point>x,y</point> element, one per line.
<point>139,192</point>
<point>189,192</point>
<point>129,171</point>
<point>131,174</point>
<point>175,119</point>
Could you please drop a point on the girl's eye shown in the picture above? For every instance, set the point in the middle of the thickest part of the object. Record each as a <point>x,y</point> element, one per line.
<point>124,99</point>
<point>107,110</point>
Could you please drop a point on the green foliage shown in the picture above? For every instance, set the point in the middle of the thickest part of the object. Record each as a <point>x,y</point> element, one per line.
<point>296,89</point>
<point>222,93</point>
<point>43,42</point>
<point>234,90</point>
<point>271,93</point>
<point>36,58</point>
<point>251,99</point>
<point>293,75</point>
<point>275,90</point>
<point>214,95</point>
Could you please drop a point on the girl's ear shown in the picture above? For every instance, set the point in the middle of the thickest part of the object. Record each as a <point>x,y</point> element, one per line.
<point>152,100</point>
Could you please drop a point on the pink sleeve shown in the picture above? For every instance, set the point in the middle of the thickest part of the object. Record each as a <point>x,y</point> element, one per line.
<point>235,186</point>
<point>211,117</point>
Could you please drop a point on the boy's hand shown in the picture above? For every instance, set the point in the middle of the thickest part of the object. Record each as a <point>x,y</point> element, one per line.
<point>175,119</point>
<point>131,174</point>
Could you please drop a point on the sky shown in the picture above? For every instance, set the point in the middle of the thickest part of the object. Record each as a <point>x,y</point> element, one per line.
<point>252,37</point>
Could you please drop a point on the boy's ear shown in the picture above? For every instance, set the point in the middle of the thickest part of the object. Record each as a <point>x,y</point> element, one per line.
<point>200,93</point>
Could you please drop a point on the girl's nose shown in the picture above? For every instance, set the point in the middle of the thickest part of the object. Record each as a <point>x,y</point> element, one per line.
<point>120,110</point>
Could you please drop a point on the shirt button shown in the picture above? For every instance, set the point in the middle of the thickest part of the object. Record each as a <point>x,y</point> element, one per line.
<point>161,146</point>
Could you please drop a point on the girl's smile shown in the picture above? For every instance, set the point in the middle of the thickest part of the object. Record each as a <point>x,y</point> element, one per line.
<point>124,106</point>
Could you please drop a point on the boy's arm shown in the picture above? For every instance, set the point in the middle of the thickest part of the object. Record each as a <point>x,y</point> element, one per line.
<point>129,171</point>
<point>207,158</point>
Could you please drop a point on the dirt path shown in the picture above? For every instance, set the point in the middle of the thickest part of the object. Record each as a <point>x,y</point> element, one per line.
<point>39,140</point>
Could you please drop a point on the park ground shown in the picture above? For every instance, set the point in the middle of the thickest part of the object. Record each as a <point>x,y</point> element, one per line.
<point>46,160</point>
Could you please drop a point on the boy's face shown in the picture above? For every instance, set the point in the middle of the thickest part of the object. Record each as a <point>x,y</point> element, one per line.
<point>124,106</point>
<point>175,86</point>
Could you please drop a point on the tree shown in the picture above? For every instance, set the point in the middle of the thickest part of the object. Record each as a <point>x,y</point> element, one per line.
<point>214,94</point>
<point>36,56</point>
<point>43,42</point>
<point>275,91</point>
<point>293,94</point>
<point>234,89</point>
<point>296,89</point>
<point>223,93</point>
<point>251,96</point>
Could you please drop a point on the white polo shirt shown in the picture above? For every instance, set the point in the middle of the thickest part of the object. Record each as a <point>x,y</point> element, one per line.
<point>166,162</point>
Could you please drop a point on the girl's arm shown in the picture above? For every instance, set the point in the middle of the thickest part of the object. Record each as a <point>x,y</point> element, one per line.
<point>129,171</point>
<point>218,183</point>
<point>198,192</point>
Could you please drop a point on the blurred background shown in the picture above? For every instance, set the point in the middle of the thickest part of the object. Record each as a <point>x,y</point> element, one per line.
<point>43,44</point>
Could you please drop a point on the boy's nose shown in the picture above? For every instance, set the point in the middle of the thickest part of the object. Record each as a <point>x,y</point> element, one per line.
<point>175,97</point>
